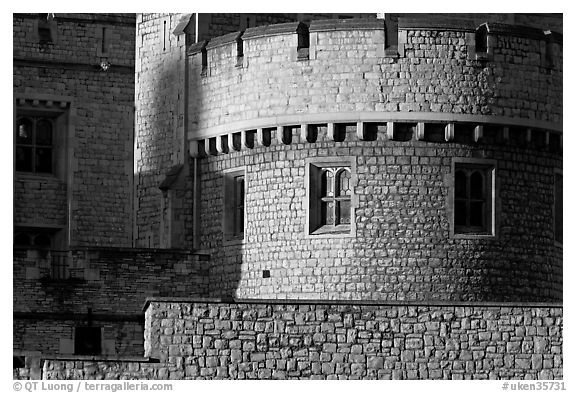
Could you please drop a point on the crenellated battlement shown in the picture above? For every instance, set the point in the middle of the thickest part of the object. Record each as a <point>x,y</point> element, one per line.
<point>354,70</point>
<point>291,38</point>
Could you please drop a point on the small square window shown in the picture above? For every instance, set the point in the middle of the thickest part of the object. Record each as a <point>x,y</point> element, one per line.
<point>330,197</point>
<point>87,340</point>
<point>234,204</point>
<point>473,198</point>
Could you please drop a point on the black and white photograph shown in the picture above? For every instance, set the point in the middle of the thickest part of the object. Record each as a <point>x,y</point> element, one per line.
<point>287,196</point>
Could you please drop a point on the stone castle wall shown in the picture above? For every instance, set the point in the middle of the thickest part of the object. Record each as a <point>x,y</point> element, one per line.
<point>257,113</point>
<point>40,201</point>
<point>347,71</point>
<point>402,248</point>
<point>160,97</point>
<point>164,219</point>
<point>91,191</point>
<point>106,287</point>
<point>257,340</point>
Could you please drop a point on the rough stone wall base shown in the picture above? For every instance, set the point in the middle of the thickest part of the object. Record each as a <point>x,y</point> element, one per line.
<point>296,340</point>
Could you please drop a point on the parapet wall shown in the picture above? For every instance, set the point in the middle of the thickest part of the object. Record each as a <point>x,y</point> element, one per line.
<point>349,71</point>
<point>302,340</point>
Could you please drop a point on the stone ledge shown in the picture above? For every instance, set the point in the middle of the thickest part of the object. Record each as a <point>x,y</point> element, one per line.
<point>431,303</point>
<point>196,47</point>
<point>55,316</point>
<point>101,358</point>
<point>346,24</point>
<point>516,31</point>
<point>224,40</point>
<point>109,18</point>
<point>271,30</point>
<point>420,23</point>
<point>71,65</point>
<point>367,116</point>
<point>135,250</point>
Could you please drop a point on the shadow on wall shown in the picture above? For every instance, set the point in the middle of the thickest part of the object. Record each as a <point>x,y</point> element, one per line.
<point>159,137</point>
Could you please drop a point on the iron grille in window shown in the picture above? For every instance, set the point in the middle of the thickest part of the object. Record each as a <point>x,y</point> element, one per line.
<point>59,265</point>
<point>34,144</point>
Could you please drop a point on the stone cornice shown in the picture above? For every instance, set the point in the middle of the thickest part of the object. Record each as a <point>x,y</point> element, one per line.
<point>354,117</point>
<point>431,303</point>
<point>346,24</point>
<point>77,66</point>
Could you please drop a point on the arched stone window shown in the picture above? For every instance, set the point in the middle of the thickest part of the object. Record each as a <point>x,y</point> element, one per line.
<point>330,199</point>
<point>481,39</point>
<point>343,197</point>
<point>473,199</point>
<point>327,198</point>
<point>34,238</point>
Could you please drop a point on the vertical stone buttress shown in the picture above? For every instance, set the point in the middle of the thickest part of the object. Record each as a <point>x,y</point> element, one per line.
<point>160,153</point>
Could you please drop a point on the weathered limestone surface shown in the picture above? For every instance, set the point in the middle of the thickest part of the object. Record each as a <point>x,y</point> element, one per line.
<point>402,248</point>
<point>339,341</point>
<point>348,74</point>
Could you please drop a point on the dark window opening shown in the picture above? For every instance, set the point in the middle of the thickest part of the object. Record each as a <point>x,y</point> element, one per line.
<point>303,47</point>
<point>88,340</point>
<point>18,362</point>
<point>238,206</point>
<point>549,52</point>
<point>234,205</point>
<point>204,53</point>
<point>239,52</point>
<point>34,144</point>
<point>481,39</point>
<point>42,241</point>
<point>472,199</point>
<point>45,29</point>
<point>558,207</point>
<point>22,239</point>
<point>103,47</point>
<point>38,238</point>
<point>164,37</point>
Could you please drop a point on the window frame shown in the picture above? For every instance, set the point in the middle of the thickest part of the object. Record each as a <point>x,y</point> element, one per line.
<point>230,202</point>
<point>558,172</point>
<point>314,198</point>
<point>62,132</point>
<point>34,145</point>
<point>489,172</point>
